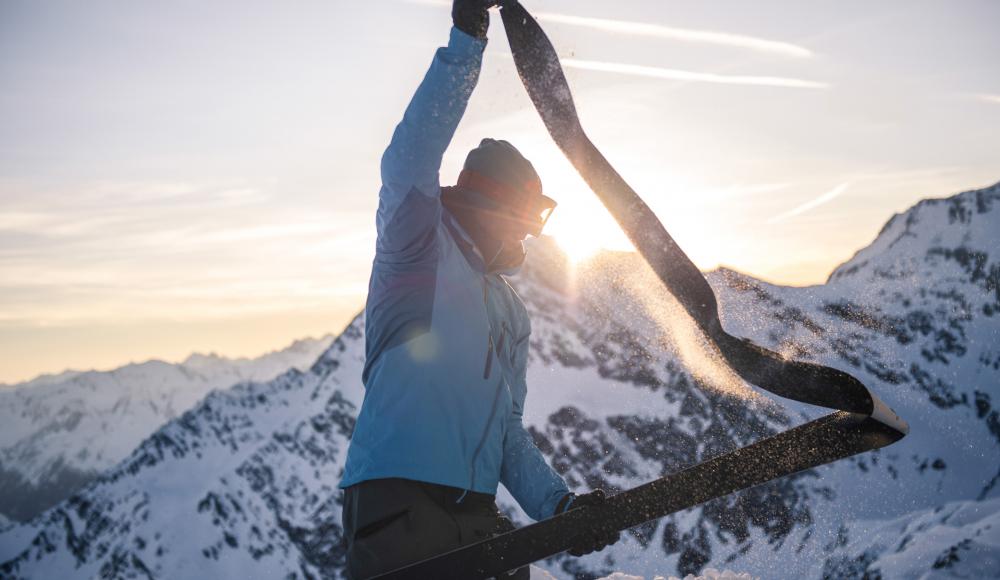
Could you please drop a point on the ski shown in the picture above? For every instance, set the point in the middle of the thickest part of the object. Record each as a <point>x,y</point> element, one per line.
<point>861,422</point>
<point>541,72</point>
<point>829,438</point>
<point>538,65</point>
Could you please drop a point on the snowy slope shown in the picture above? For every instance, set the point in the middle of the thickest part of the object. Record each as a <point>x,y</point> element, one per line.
<point>245,483</point>
<point>916,315</point>
<point>58,432</point>
<point>958,539</point>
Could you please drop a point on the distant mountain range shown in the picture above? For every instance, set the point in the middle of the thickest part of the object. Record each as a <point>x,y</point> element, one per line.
<point>621,390</point>
<point>58,432</point>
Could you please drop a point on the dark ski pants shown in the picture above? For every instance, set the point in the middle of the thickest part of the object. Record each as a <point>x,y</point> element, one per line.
<point>389,523</point>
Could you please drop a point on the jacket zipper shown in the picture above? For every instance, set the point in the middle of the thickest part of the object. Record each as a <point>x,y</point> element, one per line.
<point>482,440</point>
<point>486,374</point>
<point>492,347</point>
<point>489,358</point>
<point>503,338</point>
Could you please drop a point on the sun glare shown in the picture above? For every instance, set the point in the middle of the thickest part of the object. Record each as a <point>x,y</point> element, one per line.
<point>583,227</point>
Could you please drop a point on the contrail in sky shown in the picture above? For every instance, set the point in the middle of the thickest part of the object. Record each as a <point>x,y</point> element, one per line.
<point>990,98</point>
<point>825,198</point>
<point>682,34</point>
<point>659,31</point>
<point>683,75</point>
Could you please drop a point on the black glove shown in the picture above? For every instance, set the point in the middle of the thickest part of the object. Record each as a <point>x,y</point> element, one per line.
<point>594,539</point>
<point>472,16</point>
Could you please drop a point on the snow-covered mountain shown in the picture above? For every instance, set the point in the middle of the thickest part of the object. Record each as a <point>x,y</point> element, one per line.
<point>621,391</point>
<point>957,540</point>
<point>58,432</point>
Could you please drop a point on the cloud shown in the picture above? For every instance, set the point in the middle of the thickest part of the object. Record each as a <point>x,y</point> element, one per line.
<point>814,203</point>
<point>741,191</point>
<point>658,31</point>
<point>687,35</point>
<point>989,98</point>
<point>681,34</point>
<point>907,175</point>
<point>115,251</point>
<point>691,76</point>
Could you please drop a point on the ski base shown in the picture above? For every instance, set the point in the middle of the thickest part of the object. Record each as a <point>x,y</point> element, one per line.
<point>827,439</point>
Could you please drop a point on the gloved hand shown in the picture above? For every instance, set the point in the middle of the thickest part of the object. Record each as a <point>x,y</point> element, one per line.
<point>472,16</point>
<point>592,540</point>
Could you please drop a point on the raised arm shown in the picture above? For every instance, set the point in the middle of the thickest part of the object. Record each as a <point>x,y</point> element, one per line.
<point>409,201</point>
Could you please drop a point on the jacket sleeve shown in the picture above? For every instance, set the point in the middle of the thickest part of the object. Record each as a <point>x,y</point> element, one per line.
<point>524,472</point>
<point>410,198</point>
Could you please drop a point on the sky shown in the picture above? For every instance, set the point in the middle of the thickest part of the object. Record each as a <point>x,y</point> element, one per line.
<point>191,176</point>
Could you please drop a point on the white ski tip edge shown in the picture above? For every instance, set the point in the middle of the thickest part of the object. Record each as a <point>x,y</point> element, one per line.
<point>883,414</point>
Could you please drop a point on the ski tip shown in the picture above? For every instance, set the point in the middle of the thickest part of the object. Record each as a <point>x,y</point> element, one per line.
<point>885,415</point>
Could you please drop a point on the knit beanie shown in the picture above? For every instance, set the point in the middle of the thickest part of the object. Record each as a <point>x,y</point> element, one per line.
<point>498,170</point>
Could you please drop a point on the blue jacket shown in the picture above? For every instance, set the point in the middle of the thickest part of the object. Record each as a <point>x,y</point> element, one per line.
<point>447,341</point>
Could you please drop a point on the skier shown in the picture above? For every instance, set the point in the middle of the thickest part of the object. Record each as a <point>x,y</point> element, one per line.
<point>447,338</point>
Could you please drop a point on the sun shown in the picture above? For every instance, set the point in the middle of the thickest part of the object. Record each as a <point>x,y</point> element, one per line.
<point>578,244</point>
<point>580,224</point>
<point>582,228</point>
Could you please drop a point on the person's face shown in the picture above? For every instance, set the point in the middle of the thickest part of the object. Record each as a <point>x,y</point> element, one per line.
<point>519,222</point>
<point>504,224</point>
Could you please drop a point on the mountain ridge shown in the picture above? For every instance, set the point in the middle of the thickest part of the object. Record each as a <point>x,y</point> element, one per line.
<point>193,358</point>
<point>619,393</point>
<point>59,434</point>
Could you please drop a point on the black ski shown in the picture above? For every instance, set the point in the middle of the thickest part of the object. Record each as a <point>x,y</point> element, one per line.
<point>539,67</point>
<point>827,439</point>
<point>861,421</point>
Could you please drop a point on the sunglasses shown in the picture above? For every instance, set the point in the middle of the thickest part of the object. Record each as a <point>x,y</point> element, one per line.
<point>538,213</point>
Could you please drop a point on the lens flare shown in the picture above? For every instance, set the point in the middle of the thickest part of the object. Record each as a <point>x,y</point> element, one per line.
<point>582,227</point>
